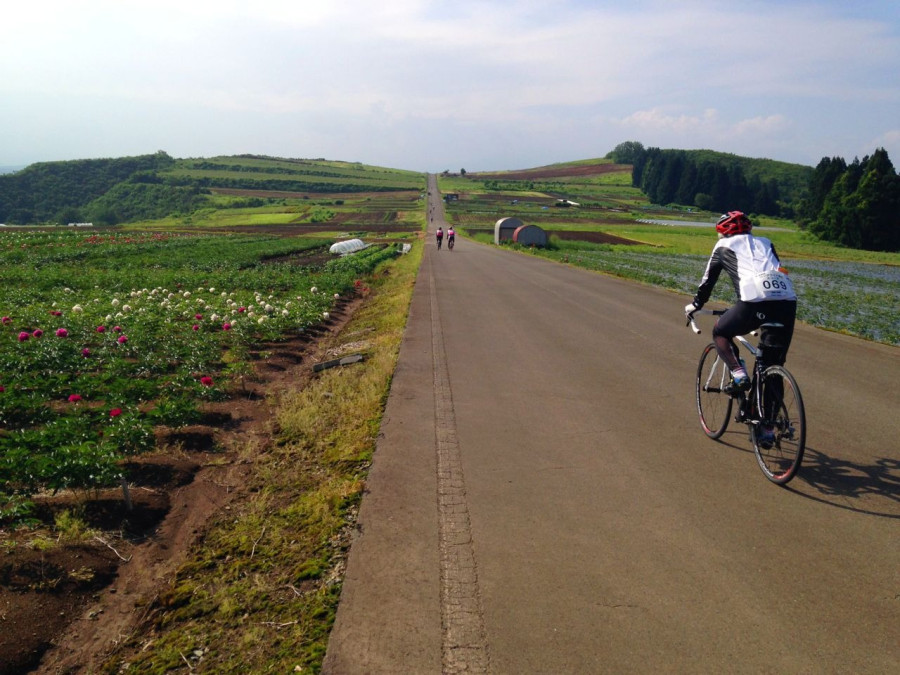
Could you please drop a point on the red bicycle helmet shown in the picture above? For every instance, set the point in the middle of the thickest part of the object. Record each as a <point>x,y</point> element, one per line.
<point>733,222</point>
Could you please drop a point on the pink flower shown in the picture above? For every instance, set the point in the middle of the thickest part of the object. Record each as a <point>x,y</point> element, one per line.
<point>5,319</point>
<point>115,412</point>
<point>206,381</point>
<point>85,352</point>
<point>2,388</point>
<point>198,316</point>
<point>101,329</point>
<point>242,309</point>
<point>62,332</point>
<point>118,329</point>
<point>55,312</point>
<point>24,335</point>
<point>195,327</point>
<point>226,326</point>
<point>37,333</point>
<point>74,398</point>
<point>122,339</point>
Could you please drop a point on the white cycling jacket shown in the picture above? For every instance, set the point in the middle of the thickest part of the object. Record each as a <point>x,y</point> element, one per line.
<point>753,266</point>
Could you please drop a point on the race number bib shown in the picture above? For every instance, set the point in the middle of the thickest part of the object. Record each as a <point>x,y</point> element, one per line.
<point>770,285</point>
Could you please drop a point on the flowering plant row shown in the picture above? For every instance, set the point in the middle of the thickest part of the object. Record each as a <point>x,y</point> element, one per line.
<point>104,338</point>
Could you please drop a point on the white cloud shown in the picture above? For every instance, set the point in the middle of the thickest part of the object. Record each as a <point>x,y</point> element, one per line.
<point>700,71</point>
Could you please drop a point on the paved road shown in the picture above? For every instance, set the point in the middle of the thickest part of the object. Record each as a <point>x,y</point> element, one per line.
<point>542,499</point>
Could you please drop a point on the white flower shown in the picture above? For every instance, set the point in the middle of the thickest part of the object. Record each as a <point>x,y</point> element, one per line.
<point>126,308</point>
<point>186,294</point>
<point>109,317</point>
<point>284,312</point>
<point>115,302</point>
<point>313,289</point>
<point>67,290</point>
<point>337,295</point>
<point>213,317</point>
<point>77,309</point>
<point>269,307</point>
<point>325,315</point>
<point>212,290</point>
<point>261,319</point>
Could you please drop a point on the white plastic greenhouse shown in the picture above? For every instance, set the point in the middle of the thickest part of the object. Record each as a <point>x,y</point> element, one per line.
<point>347,247</point>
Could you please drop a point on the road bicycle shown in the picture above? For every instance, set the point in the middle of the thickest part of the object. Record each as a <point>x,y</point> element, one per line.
<point>450,241</point>
<point>772,404</point>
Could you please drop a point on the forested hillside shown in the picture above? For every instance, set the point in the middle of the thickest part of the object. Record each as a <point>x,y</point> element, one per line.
<point>715,181</point>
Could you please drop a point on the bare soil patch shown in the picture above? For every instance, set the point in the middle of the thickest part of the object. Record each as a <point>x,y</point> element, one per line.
<point>555,172</point>
<point>65,604</point>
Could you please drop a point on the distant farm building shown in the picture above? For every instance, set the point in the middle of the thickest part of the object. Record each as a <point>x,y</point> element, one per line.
<point>565,203</point>
<point>530,235</point>
<point>505,228</point>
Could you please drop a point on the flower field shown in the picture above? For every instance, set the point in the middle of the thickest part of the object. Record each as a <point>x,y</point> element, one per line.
<point>861,299</point>
<point>104,337</point>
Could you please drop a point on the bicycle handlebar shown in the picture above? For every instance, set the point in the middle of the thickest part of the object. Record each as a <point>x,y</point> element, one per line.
<point>693,324</point>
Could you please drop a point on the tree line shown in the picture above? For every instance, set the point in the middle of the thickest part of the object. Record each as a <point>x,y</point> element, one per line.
<point>855,205</point>
<point>712,181</point>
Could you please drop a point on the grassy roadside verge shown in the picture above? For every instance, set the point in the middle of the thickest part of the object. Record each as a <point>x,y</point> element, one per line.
<point>260,592</point>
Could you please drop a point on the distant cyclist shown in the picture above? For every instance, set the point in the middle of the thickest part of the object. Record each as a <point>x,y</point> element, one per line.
<point>439,235</point>
<point>451,237</point>
<point>765,295</point>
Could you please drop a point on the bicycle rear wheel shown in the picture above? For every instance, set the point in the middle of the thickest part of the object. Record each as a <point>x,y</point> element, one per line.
<point>783,413</point>
<point>713,404</point>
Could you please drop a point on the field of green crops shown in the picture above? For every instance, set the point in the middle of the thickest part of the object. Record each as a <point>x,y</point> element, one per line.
<point>103,337</point>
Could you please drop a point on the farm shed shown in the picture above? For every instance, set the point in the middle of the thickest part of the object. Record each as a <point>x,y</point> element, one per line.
<point>530,235</point>
<point>504,229</point>
<point>347,247</point>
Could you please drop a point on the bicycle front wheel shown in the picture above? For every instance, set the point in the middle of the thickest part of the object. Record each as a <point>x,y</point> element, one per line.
<point>780,453</point>
<point>713,404</point>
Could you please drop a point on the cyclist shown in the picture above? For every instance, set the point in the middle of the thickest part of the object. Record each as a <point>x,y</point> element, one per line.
<point>451,237</point>
<point>765,295</point>
<point>439,235</point>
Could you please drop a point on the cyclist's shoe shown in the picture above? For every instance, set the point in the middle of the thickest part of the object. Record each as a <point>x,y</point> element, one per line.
<point>765,437</point>
<point>737,386</point>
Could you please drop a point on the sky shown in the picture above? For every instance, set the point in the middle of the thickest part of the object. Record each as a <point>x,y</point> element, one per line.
<point>430,85</point>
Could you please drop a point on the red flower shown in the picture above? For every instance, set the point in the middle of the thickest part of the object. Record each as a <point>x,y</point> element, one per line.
<point>62,332</point>
<point>55,313</point>
<point>101,329</point>
<point>198,316</point>
<point>206,381</point>
<point>118,329</point>
<point>24,335</point>
<point>37,333</point>
<point>5,319</point>
<point>122,339</point>
<point>226,326</point>
<point>242,309</point>
<point>195,327</point>
<point>85,352</point>
<point>115,412</point>
<point>2,388</point>
<point>74,398</point>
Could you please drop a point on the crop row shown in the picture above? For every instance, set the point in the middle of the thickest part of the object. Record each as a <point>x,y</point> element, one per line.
<point>103,338</point>
<point>861,299</point>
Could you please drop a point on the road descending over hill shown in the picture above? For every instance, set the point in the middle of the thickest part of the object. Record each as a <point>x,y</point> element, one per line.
<point>543,500</point>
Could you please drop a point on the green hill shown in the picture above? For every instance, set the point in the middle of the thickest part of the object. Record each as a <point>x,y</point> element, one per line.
<point>110,191</point>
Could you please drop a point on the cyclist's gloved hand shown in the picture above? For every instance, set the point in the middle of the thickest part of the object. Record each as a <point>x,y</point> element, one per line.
<point>690,308</point>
